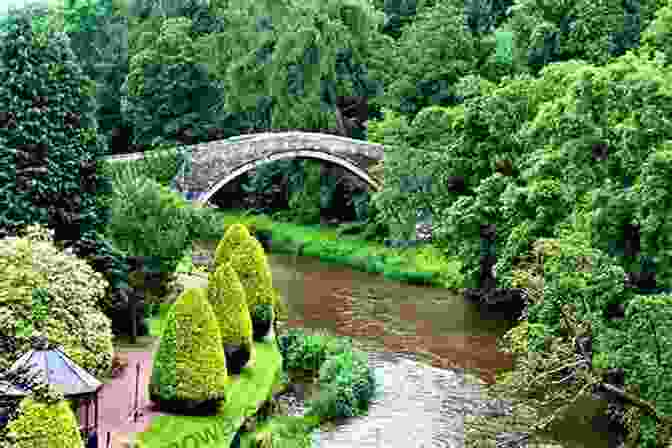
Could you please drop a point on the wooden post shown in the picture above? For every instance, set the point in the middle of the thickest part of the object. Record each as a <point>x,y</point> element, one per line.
<point>133,302</point>
<point>135,412</point>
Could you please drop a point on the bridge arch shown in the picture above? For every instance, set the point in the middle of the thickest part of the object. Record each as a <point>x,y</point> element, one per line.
<point>300,154</point>
<point>214,164</point>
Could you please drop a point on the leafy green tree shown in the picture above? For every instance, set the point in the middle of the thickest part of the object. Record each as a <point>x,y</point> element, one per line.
<point>302,65</point>
<point>38,130</point>
<point>434,53</point>
<point>169,95</point>
<point>656,39</point>
<point>305,204</point>
<point>595,32</point>
<point>98,32</point>
<point>654,190</point>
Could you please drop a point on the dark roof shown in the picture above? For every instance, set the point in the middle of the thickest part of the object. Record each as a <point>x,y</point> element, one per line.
<point>58,370</point>
<point>7,390</point>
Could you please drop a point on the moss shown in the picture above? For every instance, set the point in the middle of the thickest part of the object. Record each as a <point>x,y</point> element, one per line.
<point>227,297</point>
<point>233,237</point>
<point>191,347</point>
<point>73,302</point>
<point>250,263</point>
<point>45,425</point>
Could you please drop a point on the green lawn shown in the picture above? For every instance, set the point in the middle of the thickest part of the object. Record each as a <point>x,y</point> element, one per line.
<point>245,394</point>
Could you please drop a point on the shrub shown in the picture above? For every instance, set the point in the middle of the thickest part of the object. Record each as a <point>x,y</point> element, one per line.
<point>250,263</point>
<point>263,312</point>
<point>189,363</point>
<point>150,221</point>
<point>227,297</point>
<point>233,237</point>
<point>352,365</point>
<point>44,424</point>
<point>35,275</point>
<point>287,341</point>
<point>307,352</point>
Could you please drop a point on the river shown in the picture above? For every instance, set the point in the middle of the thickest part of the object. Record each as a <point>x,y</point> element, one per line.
<point>430,350</point>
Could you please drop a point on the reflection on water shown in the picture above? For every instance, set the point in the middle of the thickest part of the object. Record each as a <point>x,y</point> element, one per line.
<point>405,329</point>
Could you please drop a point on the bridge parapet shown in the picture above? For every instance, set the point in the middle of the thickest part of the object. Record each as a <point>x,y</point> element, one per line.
<point>214,164</point>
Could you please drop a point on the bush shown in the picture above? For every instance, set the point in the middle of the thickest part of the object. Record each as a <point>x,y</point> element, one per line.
<point>151,222</point>
<point>355,362</point>
<point>227,297</point>
<point>307,352</point>
<point>250,263</point>
<point>263,312</point>
<point>346,382</point>
<point>60,295</point>
<point>288,340</point>
<point>233,237</point>
<point>347,385</point>
<point>45,424</point>
<point>189,364</point>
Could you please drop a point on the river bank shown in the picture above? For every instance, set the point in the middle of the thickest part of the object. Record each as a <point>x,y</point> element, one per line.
<point>419,265</point>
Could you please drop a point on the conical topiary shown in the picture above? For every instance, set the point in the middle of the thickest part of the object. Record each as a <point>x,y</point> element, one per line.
<point>44,424</point>
<point>227,297</point>
<point>233,237</point>
<point>189,364</point>
<point>250,263</point>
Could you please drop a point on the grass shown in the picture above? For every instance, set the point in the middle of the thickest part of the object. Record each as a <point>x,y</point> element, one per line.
<point>244,396</point>
<point>424,265</point>
<point>420,265</point>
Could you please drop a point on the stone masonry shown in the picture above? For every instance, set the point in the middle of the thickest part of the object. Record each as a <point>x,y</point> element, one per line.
<point>216,163</point>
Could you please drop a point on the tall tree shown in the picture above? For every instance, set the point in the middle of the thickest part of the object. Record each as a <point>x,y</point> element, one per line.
<point>439,49</point>
<point>170,96</point>
<point>595,32</point>
<point>302,65</point>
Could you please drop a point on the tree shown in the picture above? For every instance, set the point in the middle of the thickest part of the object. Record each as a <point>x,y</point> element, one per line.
<point>295,63</point>
<point>576,29</point>
<point>166,79</point>
<point>62,131</point>
<point>435,52</point>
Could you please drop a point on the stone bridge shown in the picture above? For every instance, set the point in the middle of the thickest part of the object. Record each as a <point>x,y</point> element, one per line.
<point>214,164</point>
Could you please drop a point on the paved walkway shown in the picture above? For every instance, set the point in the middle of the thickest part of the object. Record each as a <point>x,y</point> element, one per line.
<point>116,400</point>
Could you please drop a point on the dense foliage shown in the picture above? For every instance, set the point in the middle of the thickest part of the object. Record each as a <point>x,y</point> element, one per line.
<point>547,121</point>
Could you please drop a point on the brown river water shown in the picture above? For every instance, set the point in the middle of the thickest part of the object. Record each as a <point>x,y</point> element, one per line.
<point>432,354</point>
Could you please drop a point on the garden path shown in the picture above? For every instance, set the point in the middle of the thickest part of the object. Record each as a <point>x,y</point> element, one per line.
<point>116,401</point>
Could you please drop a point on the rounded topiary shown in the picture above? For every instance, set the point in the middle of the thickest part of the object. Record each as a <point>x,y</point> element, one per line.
<point>250,263</point>
<point>233,237</point>
<point>43,289</point>
<point>189,364</point>
<point>42,424</point>
<point>227,297</point>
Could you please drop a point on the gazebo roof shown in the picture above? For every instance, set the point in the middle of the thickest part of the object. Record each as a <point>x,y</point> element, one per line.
<point>57,369</point>
<point>7,390</point>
